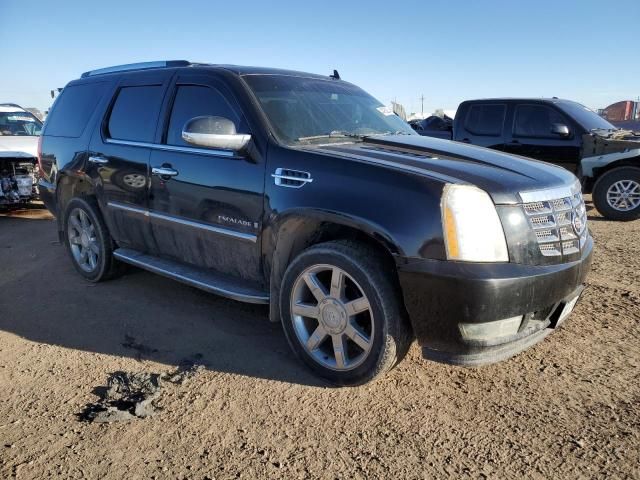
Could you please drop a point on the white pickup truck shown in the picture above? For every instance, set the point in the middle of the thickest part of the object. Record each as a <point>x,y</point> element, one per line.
<point>19,133</point>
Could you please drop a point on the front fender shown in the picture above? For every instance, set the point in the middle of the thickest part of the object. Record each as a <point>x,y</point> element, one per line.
<point>590,164</point>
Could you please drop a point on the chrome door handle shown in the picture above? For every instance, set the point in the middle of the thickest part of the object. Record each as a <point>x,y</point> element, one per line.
<point>98,160</point>
<point>164,171</point>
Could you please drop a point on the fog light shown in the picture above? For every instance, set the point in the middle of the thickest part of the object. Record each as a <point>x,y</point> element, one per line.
<point>491,330</point>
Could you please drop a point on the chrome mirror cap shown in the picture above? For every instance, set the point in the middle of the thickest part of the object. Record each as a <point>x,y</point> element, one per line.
<point>560,129</point>
<point>214,132</point>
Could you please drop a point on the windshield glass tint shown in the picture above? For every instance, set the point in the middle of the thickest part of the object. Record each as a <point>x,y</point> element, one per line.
<point>300,109</point>
<point>19,124</point>
<point>589,119</point>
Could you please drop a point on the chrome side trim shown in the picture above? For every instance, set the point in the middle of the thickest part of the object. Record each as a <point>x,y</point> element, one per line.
<point>183,221</point>
<point>172,148</point>
<point>128,208</point>
<point>550,193</point>
<point>122,255</point>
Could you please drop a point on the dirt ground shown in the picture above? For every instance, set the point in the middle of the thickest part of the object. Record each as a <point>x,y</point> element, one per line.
<point>567,408</point>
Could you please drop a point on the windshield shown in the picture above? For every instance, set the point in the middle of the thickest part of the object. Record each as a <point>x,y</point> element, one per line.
<point>307,110</point>
<point>19,123</point>
<point>586,117</point>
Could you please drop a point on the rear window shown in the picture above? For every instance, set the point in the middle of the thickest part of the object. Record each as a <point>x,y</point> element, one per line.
<point>73,108</point>
<point>135,113</point>
<point>485,119</point>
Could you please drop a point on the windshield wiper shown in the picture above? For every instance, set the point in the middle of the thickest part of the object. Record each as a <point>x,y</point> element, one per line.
<point>333,134</point>
<point>343,134</point>
<point>397,132</point>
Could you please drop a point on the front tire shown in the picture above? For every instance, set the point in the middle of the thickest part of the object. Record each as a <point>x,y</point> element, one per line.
<point>616,194</point>
<point>88,242</point>
<point>342,312</point>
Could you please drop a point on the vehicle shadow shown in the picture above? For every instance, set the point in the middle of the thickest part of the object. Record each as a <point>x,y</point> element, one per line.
<point>29,211</point>
<point>140,315</point>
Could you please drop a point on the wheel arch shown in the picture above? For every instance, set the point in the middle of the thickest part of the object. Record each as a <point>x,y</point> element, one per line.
<point>593,169</point>
<point>296,230</point>
<point>68,187</point>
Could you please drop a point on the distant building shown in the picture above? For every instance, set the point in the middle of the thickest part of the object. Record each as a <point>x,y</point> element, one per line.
<point>398,109</point>
<point>624,114</point>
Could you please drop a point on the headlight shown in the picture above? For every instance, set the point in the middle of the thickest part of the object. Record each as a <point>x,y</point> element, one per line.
<point>472,229</point>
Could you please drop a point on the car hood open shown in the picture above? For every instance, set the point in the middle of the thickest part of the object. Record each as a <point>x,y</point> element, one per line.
<point>18,147</point>
<point>501,175</point>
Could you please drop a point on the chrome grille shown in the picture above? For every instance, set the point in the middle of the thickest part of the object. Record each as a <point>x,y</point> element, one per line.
<point>560,223</point>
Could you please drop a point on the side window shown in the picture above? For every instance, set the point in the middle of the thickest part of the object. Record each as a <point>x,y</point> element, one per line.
<point>536,121</point>
<point>135,113</point>
<point>195,101</point>
<point>73,108</point>
<point>485,119</point>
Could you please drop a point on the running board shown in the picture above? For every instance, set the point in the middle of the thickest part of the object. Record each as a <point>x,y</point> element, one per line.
<point>193,276</point>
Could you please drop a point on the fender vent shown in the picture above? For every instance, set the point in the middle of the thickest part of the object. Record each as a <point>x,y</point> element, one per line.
<point>284,177</point>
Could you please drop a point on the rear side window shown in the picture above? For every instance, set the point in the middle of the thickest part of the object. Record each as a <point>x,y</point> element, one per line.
<point>485,119</point>
<point>73,108</point>
<point>536,121</point>
<point>135,113</point>
<point>194,101</point>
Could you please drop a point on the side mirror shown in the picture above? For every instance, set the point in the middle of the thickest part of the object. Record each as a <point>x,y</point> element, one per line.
<point>214,132</point>
<point>560,129</point>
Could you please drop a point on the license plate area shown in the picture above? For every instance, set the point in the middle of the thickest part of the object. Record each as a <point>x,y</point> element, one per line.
<point>564,309</point>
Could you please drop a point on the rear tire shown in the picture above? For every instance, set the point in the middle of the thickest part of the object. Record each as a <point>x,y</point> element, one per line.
<point>616,194</point>
<point>342,312</point>
<point>88,242</point>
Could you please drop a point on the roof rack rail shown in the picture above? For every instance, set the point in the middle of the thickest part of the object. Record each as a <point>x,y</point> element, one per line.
<point>10,105</point>
<point>137,66</point>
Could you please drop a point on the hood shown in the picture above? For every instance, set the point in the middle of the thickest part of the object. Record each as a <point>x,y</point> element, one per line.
<point>501,175</point>
<point>18,146</point>
<point>629,135</point>
<point>620,141</point>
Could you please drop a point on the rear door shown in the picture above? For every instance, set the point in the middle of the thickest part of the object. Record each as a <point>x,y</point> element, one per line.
<point>531,135</point>
<point>209,214</point>
<point>119,156</point>
<point>483,124</point>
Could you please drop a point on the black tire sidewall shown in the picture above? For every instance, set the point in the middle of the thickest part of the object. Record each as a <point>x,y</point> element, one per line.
<point>602,186</point>
<point>105,251</point>
<point>377,356</point>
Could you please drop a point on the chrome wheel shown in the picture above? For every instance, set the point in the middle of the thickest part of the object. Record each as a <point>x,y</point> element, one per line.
<point>624,195</point>
<point>332,317</point>
<point>82,240</point>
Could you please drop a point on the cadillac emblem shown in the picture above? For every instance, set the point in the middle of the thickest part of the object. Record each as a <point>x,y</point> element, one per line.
<point>578,224</point>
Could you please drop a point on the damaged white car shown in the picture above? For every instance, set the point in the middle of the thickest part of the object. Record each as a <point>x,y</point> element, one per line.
<point>19,134</point>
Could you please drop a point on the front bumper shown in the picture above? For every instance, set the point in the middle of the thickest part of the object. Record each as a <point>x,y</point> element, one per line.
<point>441,295</point>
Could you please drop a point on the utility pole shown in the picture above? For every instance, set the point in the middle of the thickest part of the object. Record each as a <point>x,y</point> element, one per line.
<point>422,107</point>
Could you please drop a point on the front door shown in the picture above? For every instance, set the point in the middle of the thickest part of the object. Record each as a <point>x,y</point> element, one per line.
<point>532,136</point>
<point>208,211</point>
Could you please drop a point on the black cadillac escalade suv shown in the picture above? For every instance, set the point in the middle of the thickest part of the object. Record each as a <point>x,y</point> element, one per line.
<point>303,192</point>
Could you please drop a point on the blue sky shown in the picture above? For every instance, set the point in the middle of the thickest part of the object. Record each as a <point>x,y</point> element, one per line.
<point>448,51</point>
